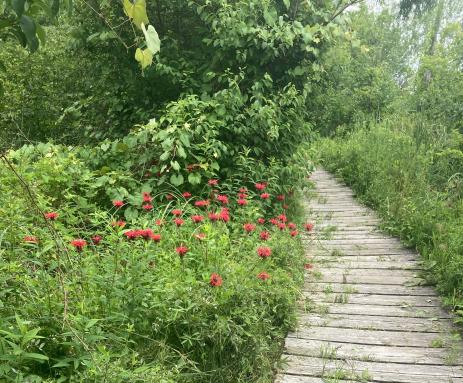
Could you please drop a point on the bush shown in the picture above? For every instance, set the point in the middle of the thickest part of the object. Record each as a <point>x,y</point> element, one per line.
<point>410,171</point>
<point>130,305</point>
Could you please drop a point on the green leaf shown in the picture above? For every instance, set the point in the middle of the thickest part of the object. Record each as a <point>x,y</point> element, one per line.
<point>29,29</point>
<point>176,179</point>
<point>54,8</point>
<point>137,12</point>
<point>18,6</point>
<point>194,178</point>
<point>175,165</point>
<point>144,57</point>
<point>152,39</point>
<point>34,356</point>
<point>41,34</point>
<point>131,214</point>
<point>181,152</point>
<point>287,3</point>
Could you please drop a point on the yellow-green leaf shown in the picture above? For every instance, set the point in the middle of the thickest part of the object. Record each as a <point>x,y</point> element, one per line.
<point>136,11</point>
<point>144,57</point>
<point>152,39</point>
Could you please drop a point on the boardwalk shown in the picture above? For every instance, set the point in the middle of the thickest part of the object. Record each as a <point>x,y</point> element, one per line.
<point>369,318</point>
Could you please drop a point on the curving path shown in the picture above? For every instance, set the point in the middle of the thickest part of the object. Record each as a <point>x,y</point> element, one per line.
<point>368,316</point>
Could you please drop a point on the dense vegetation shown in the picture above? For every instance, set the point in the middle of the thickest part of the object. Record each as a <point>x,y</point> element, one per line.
<point>150,198</point>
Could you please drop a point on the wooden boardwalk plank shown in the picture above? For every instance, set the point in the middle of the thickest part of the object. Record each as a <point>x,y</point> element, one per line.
<point>370,317</point>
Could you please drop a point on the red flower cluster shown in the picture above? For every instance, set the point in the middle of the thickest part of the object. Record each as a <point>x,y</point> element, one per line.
<point>197,218</point>
<point>213,216</point>
<point>223,199</point>
<point>260,186</point>
<point>177,212</point>
<point>79,244</point>
<point>216,280</point>
<point>148,207</point>
<point>280,197</point>
<point>264,252</point>
<point>213,182</point>
<point>118,203</point>
<point>260,221</point>
<point>186,195</point>
<point>142,233</point>
<point>147,197</point>
<point>96,239</point>
<point>309,226</point>
<point>242,202</point>
<point>51,216</point>
<point>265,196</point>
<point>31,239</point>
<point>294,233</point>
<point>263,275</point>
<point>179,222</point>
<point>224,215</point>
<point>119,223</point>
<point>292,226</point>
<point>200,236</point>
<point>181,250</point>
<point>264,235</point>
<point>249,227</point>
<point>282,218</point>
<point>202,203</point>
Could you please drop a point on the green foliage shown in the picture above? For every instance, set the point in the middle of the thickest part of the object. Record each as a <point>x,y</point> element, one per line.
<point>410,171</point>
<point>133,309</point>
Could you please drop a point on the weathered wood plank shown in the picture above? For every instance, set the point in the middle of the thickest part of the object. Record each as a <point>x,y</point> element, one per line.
<point>372,337</point>
<point>385,354</point>
<point>372,371</point>
<point>366,322</point>
<point>379,289</point>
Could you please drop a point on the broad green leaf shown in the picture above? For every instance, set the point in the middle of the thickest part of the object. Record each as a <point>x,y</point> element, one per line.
<point>287,3</point>
<point>18,6</point>
<point>34,356</point>
<point>41,34</point>
<point>152,39</point>
<point>54,8</point>
<point>194,178</point>
<point>29,29</point>
<point>144,57</point>
<point>136,11</point>
<point>176,179</point>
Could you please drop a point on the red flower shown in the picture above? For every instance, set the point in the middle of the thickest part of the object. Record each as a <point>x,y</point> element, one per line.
<point>273,221</point>
<point>264,252</point>
<point>179,222</point>
<point>159,222</point>
<point>213,217</point>
<point>146,233</point>
<point>79,244</point>
<point>263,275</point>
<point>242,195</point>
<point>309,226</point>
<point>169,197</point>
<point>118,203</point>
<point>281,197</point>
<point>265,196</point>
<point>202,203</point>
<point>281,225</point>
<point>224,215</point>
<point>197,218</point>
<point>177,212</point>
<point>285,206</point>
<point>155,237</point>
<point>223,199</point>
<point>31,239</point>
<point>242,202</point>
<point>264,235</point>
<point>51,216</point>
<point>292,226</point>
<point>181,250</point>
<point>119,223</point>
<point>261,221</point>
<point>132,234</point>
<point>216,280</point>
<point>294,233</point>
<point>282,218</point>
<point>249,227</point>
<point>148,207</point>
<point>260,186</point>
<point>200,236</point>
<point>308,266</point>
<point>243,190</point>
<point>96,239</point>
<point>147,197</point>
<point>213,182</point>
<point>186,194</point>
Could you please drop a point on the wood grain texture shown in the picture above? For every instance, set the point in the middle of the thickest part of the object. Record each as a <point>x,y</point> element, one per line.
<point>367,314</point>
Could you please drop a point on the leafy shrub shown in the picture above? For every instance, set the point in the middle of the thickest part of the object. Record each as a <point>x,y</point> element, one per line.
<point>411,172</point>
